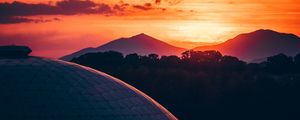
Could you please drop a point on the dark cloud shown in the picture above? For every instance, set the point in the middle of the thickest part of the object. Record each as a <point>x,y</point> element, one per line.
<point>121,7</point>
<point>15,20</point>
<point>157,1</point>
<point>24,9</point>
<point>42,20</point>
<point>16,12</point>
<point>10,20</point>
<point>170,2</point>
<point>146,6</point>
<point>104,8</point>
<point>75,7</point>
<point>65,7</point>
<point>78,4</point>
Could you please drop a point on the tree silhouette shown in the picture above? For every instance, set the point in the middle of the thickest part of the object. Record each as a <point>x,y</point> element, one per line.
<point>280,64</point>
<point>207,85</point>
<point>297,62</point>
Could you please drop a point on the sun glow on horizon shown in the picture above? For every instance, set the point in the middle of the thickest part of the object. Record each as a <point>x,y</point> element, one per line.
<point>196,31</point>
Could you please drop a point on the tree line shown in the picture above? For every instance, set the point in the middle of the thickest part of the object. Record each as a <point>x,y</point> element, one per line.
<point>208,85</point>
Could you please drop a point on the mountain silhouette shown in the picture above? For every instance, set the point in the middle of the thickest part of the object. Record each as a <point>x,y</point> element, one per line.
<point>141,44</point>
<point>258,45</point>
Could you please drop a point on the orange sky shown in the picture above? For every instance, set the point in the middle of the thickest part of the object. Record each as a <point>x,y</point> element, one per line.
<point>186,24</point>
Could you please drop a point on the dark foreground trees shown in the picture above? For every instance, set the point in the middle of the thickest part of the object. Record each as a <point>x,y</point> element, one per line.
<point>209,86</point>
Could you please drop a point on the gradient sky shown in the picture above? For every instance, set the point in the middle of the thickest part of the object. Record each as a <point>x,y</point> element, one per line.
<point>54,31</point>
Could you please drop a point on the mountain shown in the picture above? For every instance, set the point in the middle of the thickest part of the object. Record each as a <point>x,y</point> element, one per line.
<point>141,44</point>
<point>257,45</point>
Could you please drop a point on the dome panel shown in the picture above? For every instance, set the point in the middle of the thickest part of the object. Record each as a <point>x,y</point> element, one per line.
<point>34,88</point>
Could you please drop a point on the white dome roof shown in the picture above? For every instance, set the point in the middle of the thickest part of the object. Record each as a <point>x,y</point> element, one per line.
<point>33,88</point>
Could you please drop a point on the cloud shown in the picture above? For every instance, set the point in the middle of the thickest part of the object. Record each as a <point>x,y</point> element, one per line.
<point>66,7</point>
<point>75,7</point>
<point>157,1</point>
<point>104,8</point>
<point>24,9</point>
<point>10,20</point>
<point>14,20</point>
<point>16,12</point>
<point>20,12</point>
<point>170,2</point>
<point>146,6</point>
<point>75,4</point>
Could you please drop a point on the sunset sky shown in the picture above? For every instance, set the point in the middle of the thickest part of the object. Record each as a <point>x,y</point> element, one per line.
<point>56,28</point>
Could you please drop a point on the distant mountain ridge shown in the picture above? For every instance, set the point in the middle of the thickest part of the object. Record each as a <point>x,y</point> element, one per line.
<point>251,47</point>
<point>257,45</point>
<point>141,44</point>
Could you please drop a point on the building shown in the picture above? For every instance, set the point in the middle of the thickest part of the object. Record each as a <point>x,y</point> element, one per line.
<point>35,88</point>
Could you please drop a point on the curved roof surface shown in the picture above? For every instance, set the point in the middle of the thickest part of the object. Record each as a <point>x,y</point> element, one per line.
<point>33,88</point>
